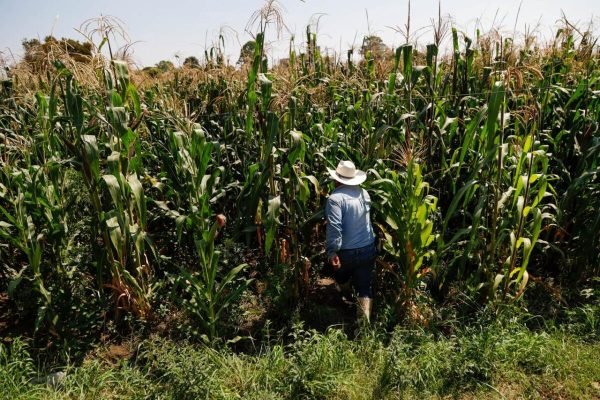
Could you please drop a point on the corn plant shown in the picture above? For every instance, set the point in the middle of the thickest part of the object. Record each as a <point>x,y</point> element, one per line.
<point>33,219</point>
<point>504,188</point>
<point>210,294</point>
<point>409,213</point>
<point>192,170</point>
<point>17,228</point>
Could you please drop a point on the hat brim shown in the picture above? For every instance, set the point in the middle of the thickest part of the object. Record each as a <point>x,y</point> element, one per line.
<point>359,178</point>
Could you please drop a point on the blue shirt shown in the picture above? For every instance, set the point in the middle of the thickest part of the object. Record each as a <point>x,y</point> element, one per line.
<point>348,219</point>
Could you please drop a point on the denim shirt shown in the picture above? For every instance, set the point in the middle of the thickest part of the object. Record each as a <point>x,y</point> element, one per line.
<point>348,219</point>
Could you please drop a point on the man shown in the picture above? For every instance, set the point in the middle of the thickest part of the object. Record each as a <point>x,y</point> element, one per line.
<point>350,239</point>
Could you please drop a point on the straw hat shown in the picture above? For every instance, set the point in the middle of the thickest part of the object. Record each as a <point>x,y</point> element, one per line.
<point>347,174</point>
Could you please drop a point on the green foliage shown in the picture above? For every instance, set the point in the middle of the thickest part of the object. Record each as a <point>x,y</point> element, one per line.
<point>374,46</point>
<point>164,66</point>
<point>409,225</point>
<point>210,294</point>
<point>191,62</point>
<point>480,360</point>
<point>17,369</point>
<point>247,52</point>
<point>20,378</point>
<point>483,167</point>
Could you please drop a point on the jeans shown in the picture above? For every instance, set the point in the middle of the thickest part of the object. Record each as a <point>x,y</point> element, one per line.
<point>358,265</point>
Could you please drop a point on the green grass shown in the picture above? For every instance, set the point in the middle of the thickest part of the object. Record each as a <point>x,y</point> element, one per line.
<point>499,360</point>
<point>93,379</point>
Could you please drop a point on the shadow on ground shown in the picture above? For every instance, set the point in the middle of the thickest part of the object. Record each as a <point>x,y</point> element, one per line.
<point>326,307</point>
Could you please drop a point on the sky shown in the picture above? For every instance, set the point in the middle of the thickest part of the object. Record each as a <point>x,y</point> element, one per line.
<point>173,30</point>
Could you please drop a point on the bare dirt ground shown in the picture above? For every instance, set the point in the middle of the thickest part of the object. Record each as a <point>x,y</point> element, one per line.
<point>326,307</point>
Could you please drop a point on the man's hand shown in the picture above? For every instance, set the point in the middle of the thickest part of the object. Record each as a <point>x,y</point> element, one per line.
<point>335,262</point>
<point>221,220</point>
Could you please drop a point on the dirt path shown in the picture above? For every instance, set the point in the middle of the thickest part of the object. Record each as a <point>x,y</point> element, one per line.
<point>326,307</point>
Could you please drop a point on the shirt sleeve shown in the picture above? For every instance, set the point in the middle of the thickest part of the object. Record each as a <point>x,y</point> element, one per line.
<point>333,212</point>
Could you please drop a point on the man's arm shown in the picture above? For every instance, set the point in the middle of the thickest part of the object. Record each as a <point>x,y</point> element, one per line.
<point>333,212</point>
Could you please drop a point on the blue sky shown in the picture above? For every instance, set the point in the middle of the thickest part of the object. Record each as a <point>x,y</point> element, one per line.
<point>163,29</point>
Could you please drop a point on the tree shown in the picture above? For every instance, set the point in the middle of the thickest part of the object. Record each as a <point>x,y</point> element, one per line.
<point>165,65</point>
<point>36,52</point>
<point>153,72</point>
<point>191,62</point>
<point>373,44</point>
<point>247,52</point>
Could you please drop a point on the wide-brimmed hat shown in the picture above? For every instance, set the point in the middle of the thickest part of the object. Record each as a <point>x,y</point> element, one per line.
<point>347,174</point>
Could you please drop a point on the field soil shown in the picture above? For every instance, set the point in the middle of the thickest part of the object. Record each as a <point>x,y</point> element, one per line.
<point>327,307</point>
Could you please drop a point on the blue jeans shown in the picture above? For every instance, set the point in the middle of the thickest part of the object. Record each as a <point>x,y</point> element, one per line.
<point>358,265</point>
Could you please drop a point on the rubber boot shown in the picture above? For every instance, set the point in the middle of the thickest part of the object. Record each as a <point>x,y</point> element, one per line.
<point>363,310</point>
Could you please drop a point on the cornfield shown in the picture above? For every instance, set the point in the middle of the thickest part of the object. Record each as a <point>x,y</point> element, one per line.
<point>483,169</point>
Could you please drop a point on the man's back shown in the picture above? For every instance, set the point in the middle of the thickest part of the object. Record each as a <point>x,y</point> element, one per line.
<point>348,216</point>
